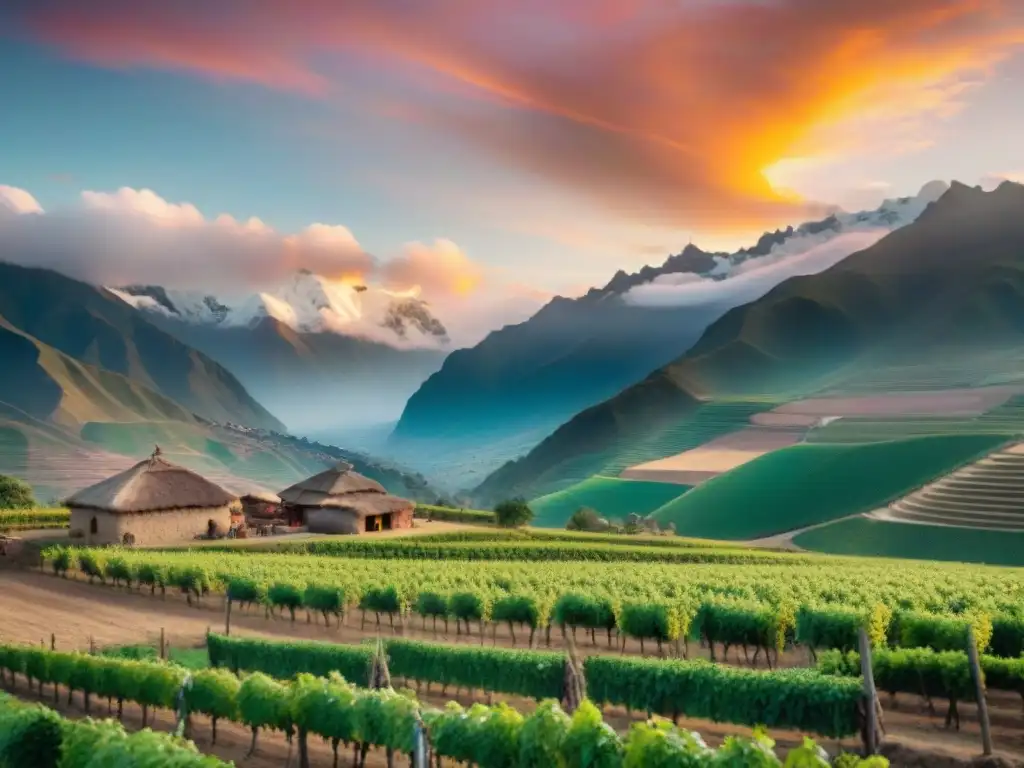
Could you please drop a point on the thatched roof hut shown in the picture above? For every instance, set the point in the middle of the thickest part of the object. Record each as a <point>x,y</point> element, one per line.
<point>340,500</point>
<point>153,502</point>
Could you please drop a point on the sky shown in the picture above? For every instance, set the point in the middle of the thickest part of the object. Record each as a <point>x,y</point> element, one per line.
<point>495,151</point>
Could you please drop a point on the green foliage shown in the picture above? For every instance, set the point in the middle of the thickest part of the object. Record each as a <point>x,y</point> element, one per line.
<point>658,744</point>
<point>214,692</point>
<point>285,596</point>
<point>586,519</point>
<point>838,626</point>
<point>1007,635</point>
<point>29,735</point>
<point>746,623</point>
<point>452,515</point>
<point>513,513</point>
<point>27,519</point>
<point>264,703</point>
<point>590,742</point>
<point>792,698</point>
<point>581,610</point>
<point>654,621</point>
<point>285,660</point>
<point>246,591</point>
<point>16,494</point>
<point>942,633</point>
<point>542,736</point>
<point>535,674</point>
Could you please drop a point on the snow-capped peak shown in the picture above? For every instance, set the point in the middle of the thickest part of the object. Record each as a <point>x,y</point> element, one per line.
<point>306,302</point>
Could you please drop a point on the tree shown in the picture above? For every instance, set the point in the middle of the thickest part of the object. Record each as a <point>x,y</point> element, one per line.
<point>16,494</point>
<point>513,513</point>
<point>586,519</point>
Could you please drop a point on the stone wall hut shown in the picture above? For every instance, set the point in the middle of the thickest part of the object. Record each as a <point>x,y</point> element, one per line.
<point>339,500</point>
<point>154,502</point>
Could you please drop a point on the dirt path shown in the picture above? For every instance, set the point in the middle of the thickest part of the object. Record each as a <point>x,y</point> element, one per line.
<point>785,540</point>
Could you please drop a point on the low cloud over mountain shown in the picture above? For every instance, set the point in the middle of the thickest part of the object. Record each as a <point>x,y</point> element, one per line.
<point>136,237</point>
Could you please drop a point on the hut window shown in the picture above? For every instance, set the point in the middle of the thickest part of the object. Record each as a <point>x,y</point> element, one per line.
<point>94,526</point>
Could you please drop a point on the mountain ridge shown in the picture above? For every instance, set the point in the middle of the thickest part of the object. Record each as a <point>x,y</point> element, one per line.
<point>955,276</point>
<point>574,353</point>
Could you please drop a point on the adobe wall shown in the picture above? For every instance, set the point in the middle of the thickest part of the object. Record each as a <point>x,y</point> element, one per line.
<point>320,520</point>
<point>149,528</point>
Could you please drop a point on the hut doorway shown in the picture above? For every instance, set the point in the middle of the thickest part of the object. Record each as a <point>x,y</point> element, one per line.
<point>94,526</point>
<point>378,523</point>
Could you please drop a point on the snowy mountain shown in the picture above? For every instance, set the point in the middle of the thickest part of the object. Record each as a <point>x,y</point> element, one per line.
<point>317,352</point>
<point>781,244</point>
<point>307,303</point>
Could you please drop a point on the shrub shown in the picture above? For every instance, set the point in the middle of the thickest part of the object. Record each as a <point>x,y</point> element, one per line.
<point>513,513</point>
<point>16,494</point>
<point>586,519</point>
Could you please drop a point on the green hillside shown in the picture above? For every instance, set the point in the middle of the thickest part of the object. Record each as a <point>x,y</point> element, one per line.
<point>808,484</point>
<point>950,284</point>
<point>668,423</point>
<point>864,536</point>
<point>610,497</point>
<point>48,319</point>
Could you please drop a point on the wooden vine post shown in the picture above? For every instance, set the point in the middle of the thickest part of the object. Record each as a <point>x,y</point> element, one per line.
<point>227,613</point>
<point>574,687</point>
<point>870,735</point>
<point>979,688</point>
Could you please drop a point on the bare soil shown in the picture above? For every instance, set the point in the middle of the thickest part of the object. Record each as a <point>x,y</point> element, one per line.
<point>33,605</point>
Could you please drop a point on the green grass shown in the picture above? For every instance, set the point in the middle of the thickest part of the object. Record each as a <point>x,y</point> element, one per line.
<point>190,658</point>
<point>863,536</point>
<point>611,497</point>
<point>454,515</point>
<point>814,483</point>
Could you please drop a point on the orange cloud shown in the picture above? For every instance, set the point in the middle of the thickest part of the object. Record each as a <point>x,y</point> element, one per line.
<point>661,110</point>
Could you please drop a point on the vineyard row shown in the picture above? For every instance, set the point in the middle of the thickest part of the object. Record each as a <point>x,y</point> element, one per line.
<point>33,735</point>
<point>715,618</point>
<point>359,718</point>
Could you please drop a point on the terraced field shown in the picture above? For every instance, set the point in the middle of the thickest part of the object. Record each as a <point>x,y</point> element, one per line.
<point>1005,419</point>
<point>985,494</point>
<point>810,484</point>
<point>949,368</point>
<point>880,538</point>
<point>611,497</point>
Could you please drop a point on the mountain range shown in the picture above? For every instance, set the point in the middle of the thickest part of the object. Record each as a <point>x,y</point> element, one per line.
<point>526,379</point>
<point>945,286</point>
<point>90,384</point>
<point>316,352</point>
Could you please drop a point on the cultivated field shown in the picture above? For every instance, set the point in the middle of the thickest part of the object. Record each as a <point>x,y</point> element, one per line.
<point>722,597</point>
<point>813,483</point>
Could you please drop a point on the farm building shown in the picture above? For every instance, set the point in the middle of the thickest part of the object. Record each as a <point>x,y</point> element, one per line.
<point>154,502</point>
<point>260,504</point>
<point>339,500</point>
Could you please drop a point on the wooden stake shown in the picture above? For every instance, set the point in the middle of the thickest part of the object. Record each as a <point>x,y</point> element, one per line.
<point>227,618</point>
<point>870,713</point>
<point>163,646</point>
<point>979,687</point>
<point>92,646</point>
<point>53,642</point>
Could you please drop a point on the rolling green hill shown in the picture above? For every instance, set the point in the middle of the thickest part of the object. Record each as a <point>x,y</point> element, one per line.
<point>951,283</point>
<point>878,538</point>
<point>610,497</point>
<point>807,484</point>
